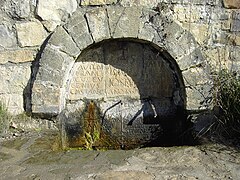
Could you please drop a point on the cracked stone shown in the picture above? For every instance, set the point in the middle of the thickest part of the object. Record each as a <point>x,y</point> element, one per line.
<point>63,41</point>
<point>98,24</point>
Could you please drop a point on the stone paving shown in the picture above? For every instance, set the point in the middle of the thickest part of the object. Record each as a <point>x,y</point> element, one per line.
<point>37,156</point>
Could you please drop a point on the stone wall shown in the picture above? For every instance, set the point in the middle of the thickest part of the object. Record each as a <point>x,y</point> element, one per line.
<point>201,35</point>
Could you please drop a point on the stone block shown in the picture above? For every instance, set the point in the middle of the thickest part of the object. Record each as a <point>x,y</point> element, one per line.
<point>147,29</point>
<point>231,4</point>
<point>220,37</point>
<point>7,36</point>
<point>30,33</point>
<point>217,56</point>
<point>63,41</point>
<point>45,94</point>
<point>195,76</point>
<point>17,56</point>
<point>78,28</point>
<point>55,11</point>
<point>18,8</point>
<point>55,62</point>
<point>145,3</point>
<point>48,74</point>
<point>97,2</point>
<point>226,25</point>
<point>13,102</point>
<point>197,96</point>
<point>199,31</point>
<point>124,22</point>
<point>235,53</point>
<point>52,58</point>
<point>181,46</point>
<point>98,24</point>
<point>194,59</point>
<point>235,39</point>
<point>14,78</point>
<point>235,27</point>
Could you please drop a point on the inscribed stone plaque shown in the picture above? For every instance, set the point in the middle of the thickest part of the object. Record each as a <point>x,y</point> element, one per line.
<point>130,84</point>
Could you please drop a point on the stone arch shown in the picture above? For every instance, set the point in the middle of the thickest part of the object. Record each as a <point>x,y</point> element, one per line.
<point>89,27</point>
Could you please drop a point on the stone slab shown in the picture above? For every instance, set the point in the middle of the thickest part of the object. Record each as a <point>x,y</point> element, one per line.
<point>63,41</point>
<point>124,21</point>
<point>19,9</point>
<point>17,56</point>
<point>14,78</point>
<point>55,12</point>
<point>195,76</point>
<point>78,29</point>
<point>231,4</point>
<point>30,33</point>
<point>13,102</point>
<point>98,24</point>
<point>97,2</point>
<point>45,94</point>
<point>7,36</point>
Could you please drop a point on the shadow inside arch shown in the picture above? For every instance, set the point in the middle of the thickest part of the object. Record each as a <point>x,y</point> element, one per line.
<point>121,64</point>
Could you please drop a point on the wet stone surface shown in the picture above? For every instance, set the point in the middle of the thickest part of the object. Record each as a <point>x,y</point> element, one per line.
<point>37,155</point>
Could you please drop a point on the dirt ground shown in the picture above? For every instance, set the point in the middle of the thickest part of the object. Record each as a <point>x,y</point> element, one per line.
<point>36,156</point>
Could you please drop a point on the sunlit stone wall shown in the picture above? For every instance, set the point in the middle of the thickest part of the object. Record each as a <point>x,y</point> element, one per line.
<point>202,36</point>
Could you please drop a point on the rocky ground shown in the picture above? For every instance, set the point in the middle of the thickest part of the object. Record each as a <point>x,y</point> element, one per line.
<point>36,155</point>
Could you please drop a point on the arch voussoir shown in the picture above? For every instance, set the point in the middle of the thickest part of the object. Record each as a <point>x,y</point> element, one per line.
<point>94,25</point>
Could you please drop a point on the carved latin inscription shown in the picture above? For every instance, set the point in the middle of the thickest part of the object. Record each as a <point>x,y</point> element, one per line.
<point>96,80</point>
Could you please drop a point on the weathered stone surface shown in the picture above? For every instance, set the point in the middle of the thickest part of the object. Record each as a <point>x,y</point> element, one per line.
<point>7,37</point>
<point>197,96</point>
<point>217,56</point>
<point>195,76</point>
<point>125,175</point>
<point>147,29</point>
<point>199,31</point>
<point>97,2</point>
<point>63,41</point>
<point>194,59</point>
<point>235,4</point>
<point>45,98</point>
<point>124,22</point>
<point>235,39</point>
<point>235,26</point>
<point>78,28</point>
<point>55,66</point>
<point>30,33</point>
<point>146,3</point>
<point>14,79</point>
<point>17,56</point>
<point>14,102</point>
<point>55,11</point>
<point>180,46</point>
<point>235,53</point>
<point>188,13</point>
<point>98,24</point>
<point>18,8</point>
